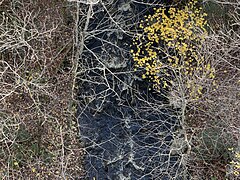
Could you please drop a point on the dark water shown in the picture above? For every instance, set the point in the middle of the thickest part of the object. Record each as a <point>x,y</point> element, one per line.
<point>127,130</point>
<point>125,145</point>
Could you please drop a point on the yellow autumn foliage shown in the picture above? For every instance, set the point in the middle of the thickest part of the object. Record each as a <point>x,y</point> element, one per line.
<point>169,46</point>
<point>236,163</point>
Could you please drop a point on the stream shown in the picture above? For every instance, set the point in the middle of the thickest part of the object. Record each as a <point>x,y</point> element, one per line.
<point>127,130</point>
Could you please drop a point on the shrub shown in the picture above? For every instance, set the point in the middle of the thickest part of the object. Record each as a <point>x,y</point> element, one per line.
<point>169,46</point>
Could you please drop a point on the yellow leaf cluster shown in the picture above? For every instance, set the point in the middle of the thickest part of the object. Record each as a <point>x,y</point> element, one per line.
<point>236,164</point>
<point>170,43</point>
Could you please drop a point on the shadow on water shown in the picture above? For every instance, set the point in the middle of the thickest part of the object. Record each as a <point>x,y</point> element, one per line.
<point>126,129</point>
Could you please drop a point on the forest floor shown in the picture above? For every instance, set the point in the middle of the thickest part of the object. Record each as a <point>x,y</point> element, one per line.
<point>38,127</point>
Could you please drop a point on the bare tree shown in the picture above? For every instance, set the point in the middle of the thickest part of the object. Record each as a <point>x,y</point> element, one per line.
<point>38,128</point>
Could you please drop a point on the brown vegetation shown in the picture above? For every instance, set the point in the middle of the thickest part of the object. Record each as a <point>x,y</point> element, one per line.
<point>38,128</point>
